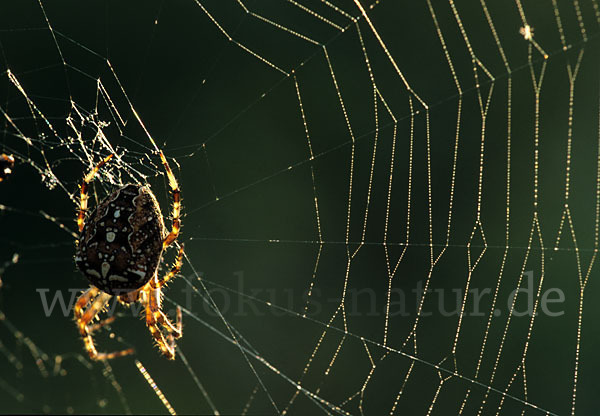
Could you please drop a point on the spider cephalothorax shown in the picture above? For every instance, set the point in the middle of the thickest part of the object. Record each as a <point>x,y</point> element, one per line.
<point>119,250</point>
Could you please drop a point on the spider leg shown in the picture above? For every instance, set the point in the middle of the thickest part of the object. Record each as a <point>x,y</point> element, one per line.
<point>82,301</point>
<point>175,330</point>
<point>157,284</point>
<point>84,317</point>
<point>93,328</point>
<point>171,338</point>
<point>154,317</point>
<point>172,236</point>
<point>84,191</point>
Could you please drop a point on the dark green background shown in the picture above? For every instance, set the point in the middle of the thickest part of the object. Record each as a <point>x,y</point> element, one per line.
<point>234,126</point>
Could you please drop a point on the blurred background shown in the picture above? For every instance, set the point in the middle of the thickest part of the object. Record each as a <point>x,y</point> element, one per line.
<point>348,174</point>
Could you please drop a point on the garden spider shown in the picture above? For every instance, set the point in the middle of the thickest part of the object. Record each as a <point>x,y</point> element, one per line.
<point>119,250</point>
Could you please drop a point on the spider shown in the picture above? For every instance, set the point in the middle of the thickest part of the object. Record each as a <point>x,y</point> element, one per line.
<point>7,163</point>
<point>119,250</point>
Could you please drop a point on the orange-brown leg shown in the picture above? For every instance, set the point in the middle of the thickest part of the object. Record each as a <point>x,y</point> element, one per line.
<point>93,328</point>
<point>158,283</point>
<point>175,330</point>
<point>154,317</point>
<point>174,335</point>
<point>84,191</point>
<point>83,318</point>
<point>176,202</point>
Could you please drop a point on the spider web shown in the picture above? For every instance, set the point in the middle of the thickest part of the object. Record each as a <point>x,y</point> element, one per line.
<point>387,208</point>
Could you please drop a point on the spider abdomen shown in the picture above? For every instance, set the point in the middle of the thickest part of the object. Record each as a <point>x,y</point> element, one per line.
<point>121,244</point>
